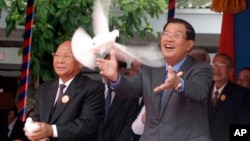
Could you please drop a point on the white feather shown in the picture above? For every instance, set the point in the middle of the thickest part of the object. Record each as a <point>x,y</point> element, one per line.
<point>83,49</point>
<point>100,19</point>
<point>149,55</point>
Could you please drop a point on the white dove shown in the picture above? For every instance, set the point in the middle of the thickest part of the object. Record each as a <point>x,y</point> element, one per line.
<point>85,48</point>
<point>103,39</point>
<point>30,125</point>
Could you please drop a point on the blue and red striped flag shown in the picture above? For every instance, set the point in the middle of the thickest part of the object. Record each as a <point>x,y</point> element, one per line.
<point>23,91</point>
<point>171,9</point>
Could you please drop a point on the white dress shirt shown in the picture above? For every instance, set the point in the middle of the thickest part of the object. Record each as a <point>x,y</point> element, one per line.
<point>138,125</point>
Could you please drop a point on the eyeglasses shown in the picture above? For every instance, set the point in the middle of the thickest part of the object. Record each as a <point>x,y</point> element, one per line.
<point>65,57</point>
<point>176,36</point>
<point>221,65</point>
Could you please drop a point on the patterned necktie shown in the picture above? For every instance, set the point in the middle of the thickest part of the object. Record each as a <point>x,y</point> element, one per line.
<point>214,100</point>
<point>61,87</point>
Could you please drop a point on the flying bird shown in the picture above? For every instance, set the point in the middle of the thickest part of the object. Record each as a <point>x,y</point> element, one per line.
<point>86,49</point>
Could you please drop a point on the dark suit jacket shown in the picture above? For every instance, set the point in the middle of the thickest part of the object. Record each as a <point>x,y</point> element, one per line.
<point>17,131</point>
<point>230,110</point>
<point>117,126</point>
<point>79,118</point>
<point>3,124</point>
<point>183,117</point>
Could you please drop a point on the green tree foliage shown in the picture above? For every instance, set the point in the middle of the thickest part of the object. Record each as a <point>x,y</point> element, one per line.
<point>56,21</point>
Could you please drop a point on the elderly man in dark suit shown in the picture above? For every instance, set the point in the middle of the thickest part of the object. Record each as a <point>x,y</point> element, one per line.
<point>227,101</point>
<point>175,95</point>
<point>76,114</point>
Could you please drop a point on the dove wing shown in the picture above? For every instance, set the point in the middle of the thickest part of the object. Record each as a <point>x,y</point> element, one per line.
<point>82,48</point>
<point>150,55</point>
<point>100,18</point>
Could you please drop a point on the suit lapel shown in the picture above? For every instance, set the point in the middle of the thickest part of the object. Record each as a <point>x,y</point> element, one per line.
<point>50,98</point>
<point>166,98</point>
<point>169,92</point>
<point>226,93</point>
<point>69,93</point>
<point>157,79</point>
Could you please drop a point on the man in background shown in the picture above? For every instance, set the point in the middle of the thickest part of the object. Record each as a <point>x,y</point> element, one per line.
<point>227,101</point>
<point>120,113</point>
<point>200,54</point>
<point>15,126</point>
<point>244,78</point>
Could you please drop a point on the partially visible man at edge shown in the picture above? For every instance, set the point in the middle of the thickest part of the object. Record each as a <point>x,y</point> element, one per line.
<point>244,78</point>
<point>80,110</point>
<point>175,95</point>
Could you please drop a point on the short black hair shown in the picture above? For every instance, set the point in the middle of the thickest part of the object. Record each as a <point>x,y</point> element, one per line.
<point>245,68</point>
<point>122,65</point>
<point>190,32</point>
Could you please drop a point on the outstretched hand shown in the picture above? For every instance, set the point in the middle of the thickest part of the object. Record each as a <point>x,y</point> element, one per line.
<point>108,68</point>
<point>171,82</point>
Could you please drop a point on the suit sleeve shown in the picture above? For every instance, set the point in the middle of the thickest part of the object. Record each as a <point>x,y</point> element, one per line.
<point>197,81</point>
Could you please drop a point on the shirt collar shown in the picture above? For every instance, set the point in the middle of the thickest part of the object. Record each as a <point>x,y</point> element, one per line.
<point>218,90</point>
<point>11,126</point>
<point>67,83</point>
<point>177,66</point>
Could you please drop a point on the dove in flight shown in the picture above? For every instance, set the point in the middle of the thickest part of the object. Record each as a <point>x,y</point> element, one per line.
<point>85,49</point>
<point>149,55</point>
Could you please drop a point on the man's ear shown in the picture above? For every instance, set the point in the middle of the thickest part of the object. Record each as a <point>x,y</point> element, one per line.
<point>190,44</point>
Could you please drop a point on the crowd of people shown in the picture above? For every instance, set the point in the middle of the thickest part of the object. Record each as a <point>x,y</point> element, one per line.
<point>191,97</point>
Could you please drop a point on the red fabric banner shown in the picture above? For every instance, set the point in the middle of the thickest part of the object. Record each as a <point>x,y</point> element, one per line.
<point>227,38</point>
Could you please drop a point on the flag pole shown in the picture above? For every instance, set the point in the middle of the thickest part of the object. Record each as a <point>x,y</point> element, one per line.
<point>171,9</point>
<point>24,80</point>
